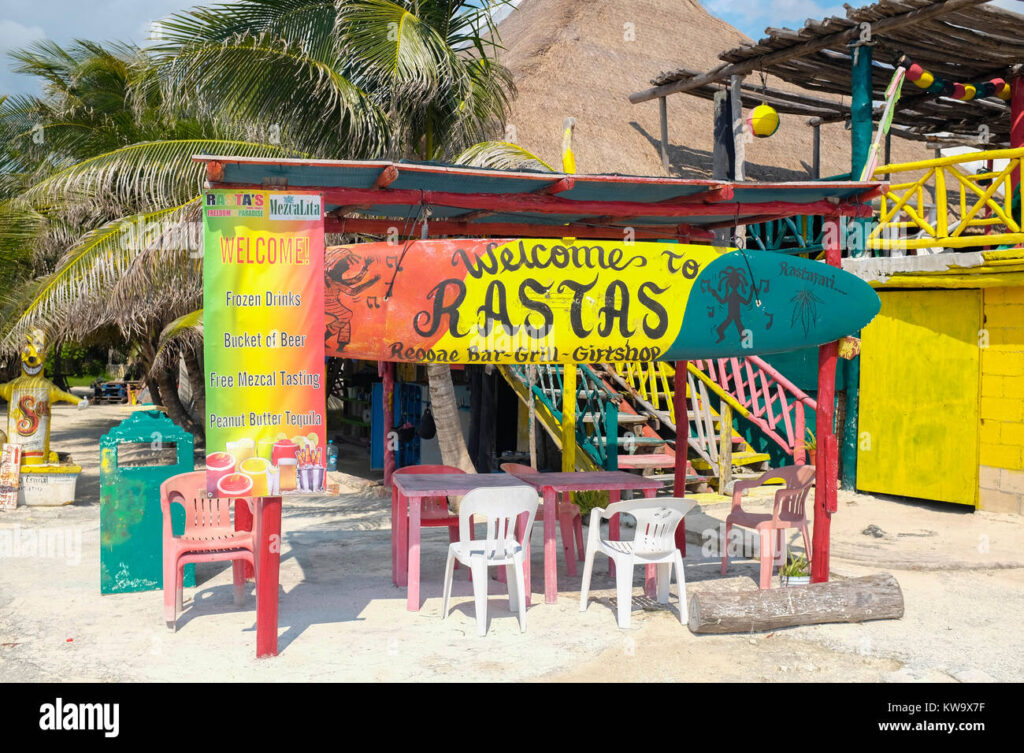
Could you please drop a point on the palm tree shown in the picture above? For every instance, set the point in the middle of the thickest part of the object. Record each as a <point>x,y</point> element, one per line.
<point>422,72</point>
<point>346,79</point>
<point>96,188</point>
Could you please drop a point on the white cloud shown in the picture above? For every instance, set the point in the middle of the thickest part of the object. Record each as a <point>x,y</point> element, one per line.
<point>1014,5</point>
<point>14,35</point>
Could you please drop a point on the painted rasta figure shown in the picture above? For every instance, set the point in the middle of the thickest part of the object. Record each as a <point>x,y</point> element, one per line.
<point>348,274</point>
<point>733,282</point>
<point>29,399</point>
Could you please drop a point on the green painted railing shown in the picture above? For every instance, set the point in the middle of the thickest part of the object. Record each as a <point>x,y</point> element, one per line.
<point>597,422</point>
<point>803,234</point>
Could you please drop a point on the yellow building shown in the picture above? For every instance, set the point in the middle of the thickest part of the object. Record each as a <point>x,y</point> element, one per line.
<point>942,379</point>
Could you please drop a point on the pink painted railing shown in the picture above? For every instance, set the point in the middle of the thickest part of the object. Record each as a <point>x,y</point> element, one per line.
<point>774,404</point>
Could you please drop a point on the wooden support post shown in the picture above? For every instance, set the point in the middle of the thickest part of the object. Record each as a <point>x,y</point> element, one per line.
<point>611,432</point>
<point>724,447</point>
<point>531,372</point>
<point>860,149</point>
<point>569,417</point>
<point>268,510</point>
<point>739,134</point>
<point>663,113</point>
<point>387,372</point>
<point>739,147</point>
<point>723,154</point>
<point>682,414</point>
<point>826,491</point>
<point>816,154</point>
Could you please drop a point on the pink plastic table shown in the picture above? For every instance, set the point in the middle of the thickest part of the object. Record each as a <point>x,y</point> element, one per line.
<point>407,494</point>
<point>553,484</point>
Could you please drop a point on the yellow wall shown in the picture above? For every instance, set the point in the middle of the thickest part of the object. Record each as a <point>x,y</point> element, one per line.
<point>1002,402</point>
<point>919,396</point>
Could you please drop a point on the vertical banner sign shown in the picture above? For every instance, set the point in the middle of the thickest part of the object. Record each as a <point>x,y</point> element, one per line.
<point>263,292</point>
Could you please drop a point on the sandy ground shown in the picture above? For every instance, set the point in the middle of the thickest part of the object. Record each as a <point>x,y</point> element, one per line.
<point>962,576</point>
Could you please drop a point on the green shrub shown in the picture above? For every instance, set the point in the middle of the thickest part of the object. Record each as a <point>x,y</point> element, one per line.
<point>795,567</point>
<point>588,500</point>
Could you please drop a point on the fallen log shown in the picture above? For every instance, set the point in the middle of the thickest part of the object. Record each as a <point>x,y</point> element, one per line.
<point>873,597</point>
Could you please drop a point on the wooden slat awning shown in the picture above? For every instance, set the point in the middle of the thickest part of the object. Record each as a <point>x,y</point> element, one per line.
<point>376,197</point>
<point>960,40</point>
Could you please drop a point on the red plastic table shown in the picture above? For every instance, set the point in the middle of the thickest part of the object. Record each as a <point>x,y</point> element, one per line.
<point>553,484</point>
<point>407,493</point>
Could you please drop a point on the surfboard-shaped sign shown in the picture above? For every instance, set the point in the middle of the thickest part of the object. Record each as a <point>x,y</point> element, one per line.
<point>566,301</point>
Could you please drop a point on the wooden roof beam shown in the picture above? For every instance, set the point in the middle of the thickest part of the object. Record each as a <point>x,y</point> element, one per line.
<point>724,71</point>
<point>376,226</point>
<point>387,176</point>
<point>554,205</point>
<point>565,183</point>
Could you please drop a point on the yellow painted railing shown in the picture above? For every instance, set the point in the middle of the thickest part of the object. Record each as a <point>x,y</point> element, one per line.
<point>970,209</point>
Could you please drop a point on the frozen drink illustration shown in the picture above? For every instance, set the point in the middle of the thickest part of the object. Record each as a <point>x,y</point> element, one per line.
<point>283,448</point>
<point>265,448</point>
<point>218,465</point>
<point>234,485</point>
<point>257,469</point>
<point>242,449</point>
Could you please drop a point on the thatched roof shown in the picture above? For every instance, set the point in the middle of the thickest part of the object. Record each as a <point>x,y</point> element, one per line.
<point>572,58</point>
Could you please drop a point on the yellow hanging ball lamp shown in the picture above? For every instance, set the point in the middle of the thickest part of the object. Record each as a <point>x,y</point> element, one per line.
<point>763,121</point>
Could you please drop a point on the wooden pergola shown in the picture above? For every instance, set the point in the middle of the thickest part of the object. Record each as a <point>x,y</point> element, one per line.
<point>959,40</point>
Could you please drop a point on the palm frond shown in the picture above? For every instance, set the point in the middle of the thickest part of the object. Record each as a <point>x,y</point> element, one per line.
<point>277,88</point>
<point>185,331</point>
<point>501,155</point>
<point>142,177</point>
<point>394,52</point>
<point>306,24</point>
<point>72,301</point>
<point>166,277</point>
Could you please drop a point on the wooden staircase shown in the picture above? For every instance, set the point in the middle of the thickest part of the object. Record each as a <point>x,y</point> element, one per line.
<point>626,415</point>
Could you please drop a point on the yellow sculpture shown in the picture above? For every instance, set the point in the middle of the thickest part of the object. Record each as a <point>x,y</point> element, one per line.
<point>29,398</point>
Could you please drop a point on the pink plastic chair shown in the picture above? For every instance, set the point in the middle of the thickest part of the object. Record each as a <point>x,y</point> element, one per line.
<point>435,509</point>
<point>210,536</point>
<point>569,519</point>
<point>789,512</point>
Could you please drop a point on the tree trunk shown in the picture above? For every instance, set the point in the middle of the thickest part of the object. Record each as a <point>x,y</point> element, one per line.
<point>167,379</point>
<point>154,391</point>
<point>446,418</point>
<point>873,597</point>
<point>197,383</point>
<point>148,353</point>
<point>58,376</point>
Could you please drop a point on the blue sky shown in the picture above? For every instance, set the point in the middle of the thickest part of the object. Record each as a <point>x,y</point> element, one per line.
<point>23,21</point>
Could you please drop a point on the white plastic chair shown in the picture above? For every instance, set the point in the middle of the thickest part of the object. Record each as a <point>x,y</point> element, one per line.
<point>653,544</point>
<point>502,506</point>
